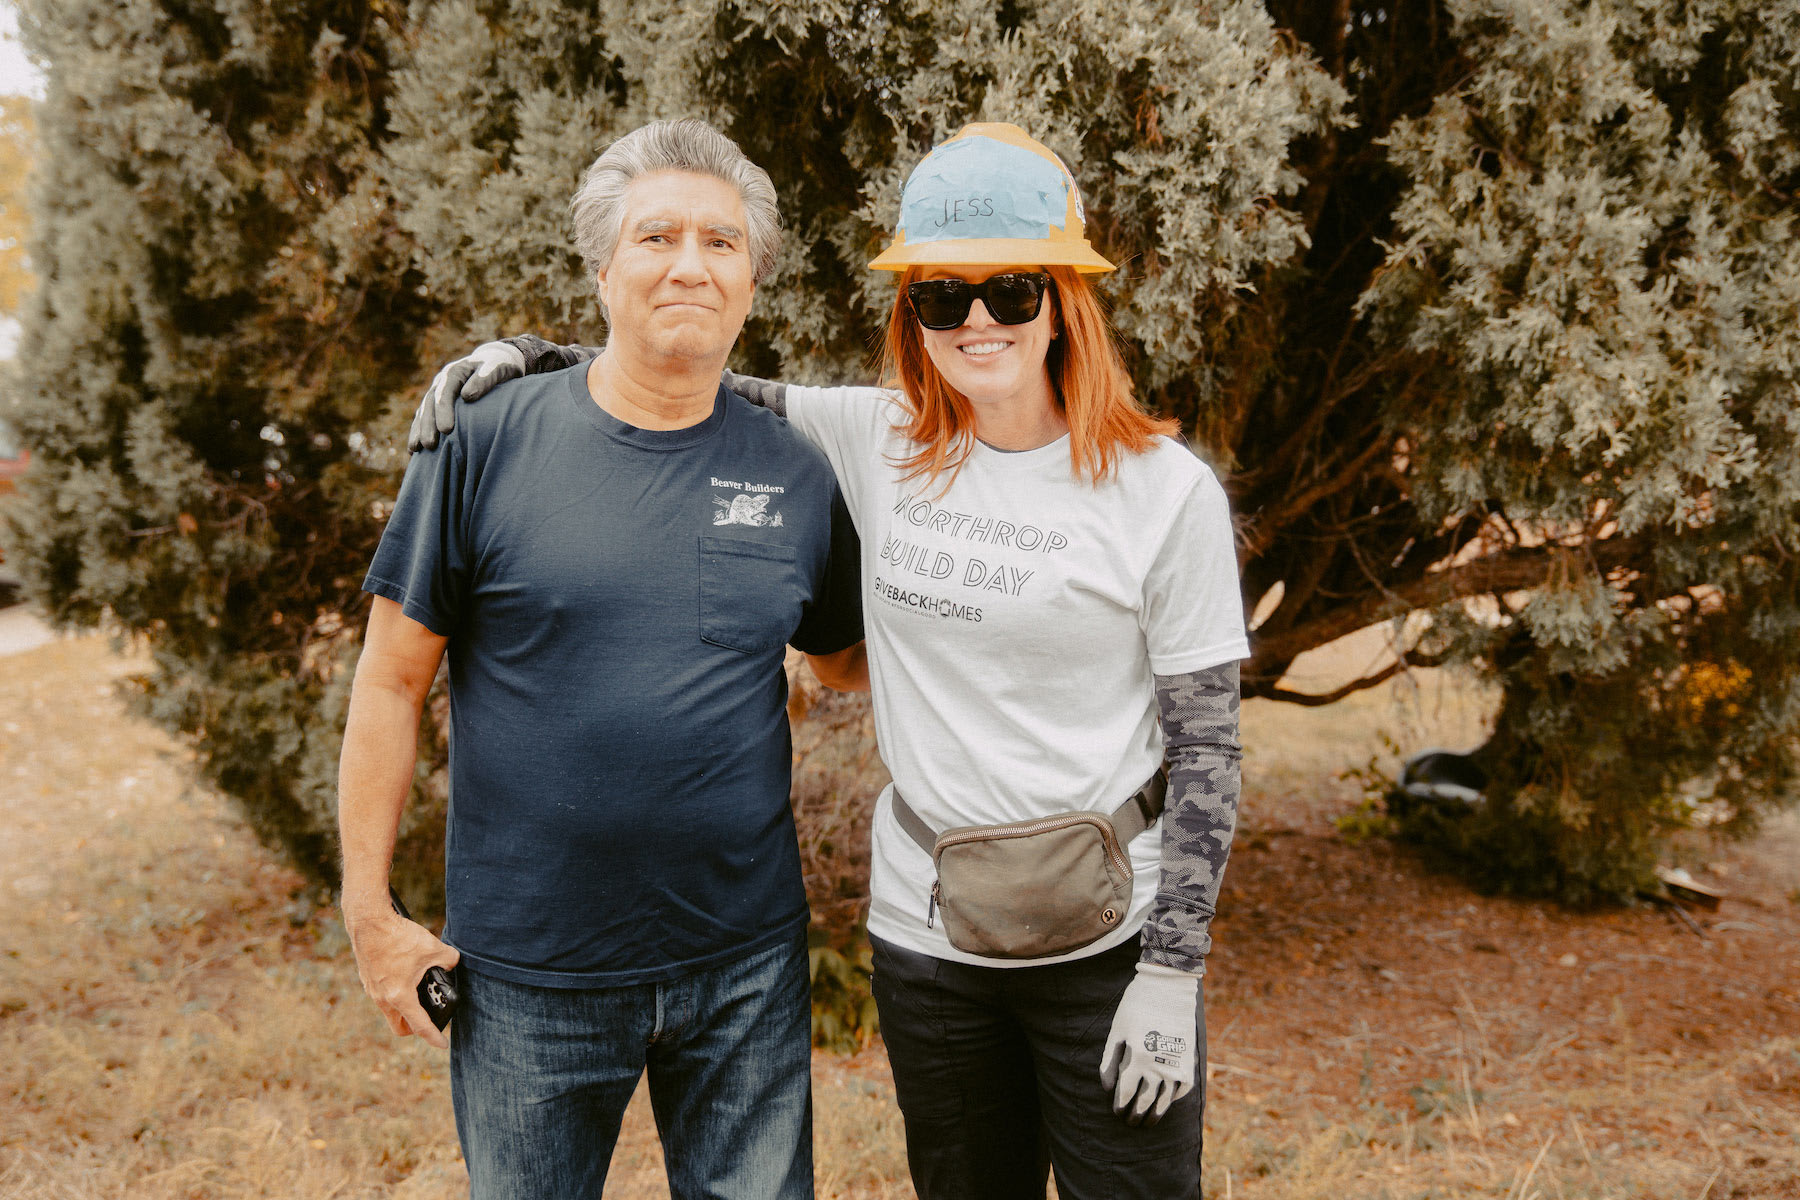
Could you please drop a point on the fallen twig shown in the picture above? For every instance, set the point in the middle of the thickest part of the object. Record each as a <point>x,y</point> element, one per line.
<point>1669,901</point>
<point>1582,1142</point>
<point>1685,919</point>
<point>1542,1150</point>
<point>1212,1066</point>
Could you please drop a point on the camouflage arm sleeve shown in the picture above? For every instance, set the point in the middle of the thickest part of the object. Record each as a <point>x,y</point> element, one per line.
<point>767,393</point>
<point>1200,731</point>
<point>541,356</point>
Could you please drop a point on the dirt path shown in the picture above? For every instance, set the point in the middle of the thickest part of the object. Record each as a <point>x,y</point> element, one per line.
<point>21,630</point>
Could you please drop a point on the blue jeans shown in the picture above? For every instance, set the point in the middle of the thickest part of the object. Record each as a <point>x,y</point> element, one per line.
<point>540,1078</point>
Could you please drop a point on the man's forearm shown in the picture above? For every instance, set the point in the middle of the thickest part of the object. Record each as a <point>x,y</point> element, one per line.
<point>375,773</point>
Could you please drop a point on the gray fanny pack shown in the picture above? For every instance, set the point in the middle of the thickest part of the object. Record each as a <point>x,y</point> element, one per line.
<point>1032,889</point>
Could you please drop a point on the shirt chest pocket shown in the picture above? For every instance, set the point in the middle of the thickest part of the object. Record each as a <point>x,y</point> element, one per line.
<point>750,593</point>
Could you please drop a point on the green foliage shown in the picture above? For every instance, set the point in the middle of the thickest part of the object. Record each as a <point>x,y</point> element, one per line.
<point>224,314</point>
<point>1177,120</point>
<point>1596,257</point>
<point>843,1011</point>
<point>1370,816</point>
<point>1485,308</point>
<point>1367,820</point>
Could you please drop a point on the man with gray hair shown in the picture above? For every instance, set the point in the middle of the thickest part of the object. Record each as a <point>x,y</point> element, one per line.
<point>614,556</point>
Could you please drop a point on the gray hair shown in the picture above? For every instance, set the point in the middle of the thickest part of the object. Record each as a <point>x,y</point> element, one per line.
<point>598,208</point>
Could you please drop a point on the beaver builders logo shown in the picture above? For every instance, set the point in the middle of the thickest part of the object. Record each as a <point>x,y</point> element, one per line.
<point>750,506</point>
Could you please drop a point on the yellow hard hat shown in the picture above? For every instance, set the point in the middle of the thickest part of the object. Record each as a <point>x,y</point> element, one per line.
<point>991,196</point>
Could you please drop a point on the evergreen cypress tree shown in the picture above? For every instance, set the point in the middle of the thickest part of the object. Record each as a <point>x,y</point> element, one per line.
<point>1596,269</point>
<point>224,304</point>
<point>1482,308</point>
<point>1303,236</point>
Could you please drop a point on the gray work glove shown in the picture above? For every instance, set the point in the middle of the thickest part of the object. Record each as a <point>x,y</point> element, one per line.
<point>493,363</point>
<point>487,367</point>
<point>1149,1059</point>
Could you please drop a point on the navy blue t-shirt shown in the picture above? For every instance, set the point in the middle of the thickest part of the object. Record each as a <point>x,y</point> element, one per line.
<point>617,602</point>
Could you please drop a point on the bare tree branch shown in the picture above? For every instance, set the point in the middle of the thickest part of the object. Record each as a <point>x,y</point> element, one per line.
<point>1347,474</point>
<point>1505,571</point>
<point>1319,700</point>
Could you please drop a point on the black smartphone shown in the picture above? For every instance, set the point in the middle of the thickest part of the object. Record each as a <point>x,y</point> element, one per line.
<point>437,990</point>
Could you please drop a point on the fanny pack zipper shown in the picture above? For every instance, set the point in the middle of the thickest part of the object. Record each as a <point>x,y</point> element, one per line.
<point>994,833</point>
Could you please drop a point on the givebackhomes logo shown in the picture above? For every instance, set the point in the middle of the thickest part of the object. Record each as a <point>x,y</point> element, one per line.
<point>923,602</point>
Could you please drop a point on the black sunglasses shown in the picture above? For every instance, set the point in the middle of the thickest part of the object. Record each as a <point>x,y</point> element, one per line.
<point>1011,299</point>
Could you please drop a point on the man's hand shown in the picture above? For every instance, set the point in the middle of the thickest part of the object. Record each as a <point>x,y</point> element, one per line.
<point>1149,1059</point>
<point>392,954</point>
<point>490,365</point>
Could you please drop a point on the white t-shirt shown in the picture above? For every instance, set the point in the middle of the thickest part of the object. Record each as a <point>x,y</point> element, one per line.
<point>1014,624</point>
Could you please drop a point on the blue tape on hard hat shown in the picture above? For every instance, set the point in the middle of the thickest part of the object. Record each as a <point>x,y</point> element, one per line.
<point>976,187</point>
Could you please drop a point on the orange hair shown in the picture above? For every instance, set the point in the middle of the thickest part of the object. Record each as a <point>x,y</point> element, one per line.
<point>1087,374</point>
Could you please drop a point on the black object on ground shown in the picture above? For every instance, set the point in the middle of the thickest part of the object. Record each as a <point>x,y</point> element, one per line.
<point>1444,780</point>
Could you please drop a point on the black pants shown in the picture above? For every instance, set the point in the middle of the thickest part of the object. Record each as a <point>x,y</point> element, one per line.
<point>997,1071</point>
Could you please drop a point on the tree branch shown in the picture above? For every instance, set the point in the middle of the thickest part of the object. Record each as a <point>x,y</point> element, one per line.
<point>1321,699</point>
<point>1346,474</point>
<point>1505,571</point>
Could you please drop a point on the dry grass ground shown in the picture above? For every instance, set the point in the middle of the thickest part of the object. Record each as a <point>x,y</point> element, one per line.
<point>177,1021</point>
<point>1378,1031</point>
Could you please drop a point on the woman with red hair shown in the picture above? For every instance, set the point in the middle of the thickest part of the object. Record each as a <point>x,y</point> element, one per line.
<point>1053,627</point>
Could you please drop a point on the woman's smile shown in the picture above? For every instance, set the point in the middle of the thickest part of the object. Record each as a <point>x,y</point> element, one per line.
<point>981,350</point>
